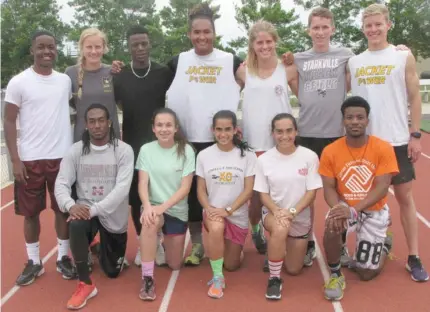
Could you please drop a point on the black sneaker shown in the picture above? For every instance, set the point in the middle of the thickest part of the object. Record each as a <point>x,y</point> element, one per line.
<point>29,274</point>
<point>274,288</point>
<point>66,268</point>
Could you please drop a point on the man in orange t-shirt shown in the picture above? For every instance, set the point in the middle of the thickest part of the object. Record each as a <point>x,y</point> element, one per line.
<point>356,172</point>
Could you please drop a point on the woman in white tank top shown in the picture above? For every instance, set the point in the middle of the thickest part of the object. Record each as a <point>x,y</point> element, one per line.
<point>264,96</point>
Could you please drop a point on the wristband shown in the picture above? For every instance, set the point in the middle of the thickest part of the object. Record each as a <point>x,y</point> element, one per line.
<point>354,213</point>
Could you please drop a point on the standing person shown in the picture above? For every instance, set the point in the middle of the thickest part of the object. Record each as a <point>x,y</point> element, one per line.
<point>101,166</point>
<point>287,179</point>
<point>265,95</point>
<point>166,168</point>
<point>204,83</point>
<point>356,171</point>
<point>322,88</point>
<point>387,79</point>
<point>40,96</point>
<point>140,89</point>
<point>91,80</point>
<point>225,181</point>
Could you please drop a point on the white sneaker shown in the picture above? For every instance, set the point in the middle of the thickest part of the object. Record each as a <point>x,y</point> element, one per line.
<point>138,259</point>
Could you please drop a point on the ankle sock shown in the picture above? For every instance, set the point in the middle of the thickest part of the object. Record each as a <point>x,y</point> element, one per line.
<point>335,269</point>
<point>33,252</point>
<point>217,267</point>
<point>148,269</point>
<point>63,248</point>
<point>275,268</point>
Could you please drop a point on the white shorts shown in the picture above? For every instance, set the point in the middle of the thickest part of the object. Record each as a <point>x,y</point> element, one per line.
<point>371,230</point>
<point>299,228</point>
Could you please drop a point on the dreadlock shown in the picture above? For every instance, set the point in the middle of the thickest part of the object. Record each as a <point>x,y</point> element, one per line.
<point>86,140</point>
<point>226,114</point>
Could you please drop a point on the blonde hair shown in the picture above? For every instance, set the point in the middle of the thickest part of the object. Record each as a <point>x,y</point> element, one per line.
<point>81,58</point>
<point>259,26</point>
<point>321,12</point>
<point>375,9</point>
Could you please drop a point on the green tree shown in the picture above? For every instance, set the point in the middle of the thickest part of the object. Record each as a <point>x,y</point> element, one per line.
<point>289,28</point>
<point>115,18</point>
<point>175,22</point>
<point>19,20</point>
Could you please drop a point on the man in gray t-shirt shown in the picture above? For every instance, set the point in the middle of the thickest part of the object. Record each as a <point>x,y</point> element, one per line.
<point>102,168</point>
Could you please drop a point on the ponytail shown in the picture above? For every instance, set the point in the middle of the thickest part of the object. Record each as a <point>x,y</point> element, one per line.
<point>242,145</point>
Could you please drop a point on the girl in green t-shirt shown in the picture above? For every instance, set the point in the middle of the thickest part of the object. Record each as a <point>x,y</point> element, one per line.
<point>166,168</point>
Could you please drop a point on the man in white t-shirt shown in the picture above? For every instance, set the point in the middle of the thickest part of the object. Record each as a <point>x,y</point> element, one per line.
<point>40,96</point>
<point>387,79</point>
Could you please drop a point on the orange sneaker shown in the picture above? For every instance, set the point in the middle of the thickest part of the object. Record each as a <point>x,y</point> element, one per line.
<point>82,293</point>
<point>217,286</point>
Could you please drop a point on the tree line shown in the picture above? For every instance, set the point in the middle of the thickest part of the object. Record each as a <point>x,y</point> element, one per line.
<point>168,27</point>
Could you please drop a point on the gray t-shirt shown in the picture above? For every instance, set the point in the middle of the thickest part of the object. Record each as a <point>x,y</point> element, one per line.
<point>103,178</point>
<point>322,90</point>
<point>97,87</point>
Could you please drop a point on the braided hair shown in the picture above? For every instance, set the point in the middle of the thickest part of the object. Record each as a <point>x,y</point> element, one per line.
<point>237,141</point>
<point>86,140</point>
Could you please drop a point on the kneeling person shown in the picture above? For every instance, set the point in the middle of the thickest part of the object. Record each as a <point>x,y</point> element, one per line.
<point>166,169</point>
<point>102,168</point>
<point>357,171</point>
<point>225,173</point>
<point>287,179</point>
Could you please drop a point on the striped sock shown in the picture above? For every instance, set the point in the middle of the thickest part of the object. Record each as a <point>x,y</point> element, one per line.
<point>275,268</point>
<point>148,269</point>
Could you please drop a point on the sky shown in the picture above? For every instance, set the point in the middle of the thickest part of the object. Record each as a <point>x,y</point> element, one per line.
<point>226,25</point>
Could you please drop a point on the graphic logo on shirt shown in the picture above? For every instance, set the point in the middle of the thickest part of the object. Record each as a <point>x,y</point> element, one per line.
<point>226,175</point>
<point>107,84</point>
<point>373,75</point>
<point>357,176</point>
<point>98,191</point>
<point>321,75</point>
<point>203,74</point>
<point>279,90</point>
<point>303,171</point>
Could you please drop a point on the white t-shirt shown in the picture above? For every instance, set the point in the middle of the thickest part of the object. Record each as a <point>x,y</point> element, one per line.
<point>380,78</point>
<point>225,173</point>
<point>203,85</point>
<point>263,99</point>
<point>44,120</point>
<point>288,177</point>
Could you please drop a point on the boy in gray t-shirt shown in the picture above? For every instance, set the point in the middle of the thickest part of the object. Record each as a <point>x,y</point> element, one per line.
<point>102,168</point>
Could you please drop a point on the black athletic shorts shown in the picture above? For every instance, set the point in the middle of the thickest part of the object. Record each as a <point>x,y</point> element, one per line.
<point>195,210</point>
<point>112,248</point>
<point>406,168</point>
<point>315,144</point>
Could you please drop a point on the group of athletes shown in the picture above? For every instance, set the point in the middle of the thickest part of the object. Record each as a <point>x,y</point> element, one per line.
<point>189,166</point>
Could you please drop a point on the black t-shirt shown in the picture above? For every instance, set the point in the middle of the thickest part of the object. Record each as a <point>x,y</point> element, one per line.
<point>173,63</point>
<point>140,98</point>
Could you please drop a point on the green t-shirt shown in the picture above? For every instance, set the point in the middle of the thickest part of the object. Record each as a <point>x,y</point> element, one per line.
<point>166,170</point>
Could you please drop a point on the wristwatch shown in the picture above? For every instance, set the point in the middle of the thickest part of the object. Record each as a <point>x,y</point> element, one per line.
<point>293,211</point>
<point>416,135</point>
<point>229,211</point>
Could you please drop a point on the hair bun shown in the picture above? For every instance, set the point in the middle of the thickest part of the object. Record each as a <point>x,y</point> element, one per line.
<point>202,9</point>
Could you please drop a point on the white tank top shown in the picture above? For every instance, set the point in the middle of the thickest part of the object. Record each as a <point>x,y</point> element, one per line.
<point>263,99</point>
<point>379,77</point>
<point>203,85</point>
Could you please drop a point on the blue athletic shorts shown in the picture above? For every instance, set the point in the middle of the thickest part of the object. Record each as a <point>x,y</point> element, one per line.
<point>173,226</point>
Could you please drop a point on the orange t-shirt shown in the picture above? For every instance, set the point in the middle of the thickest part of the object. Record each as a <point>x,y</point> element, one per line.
<point>355,168</point>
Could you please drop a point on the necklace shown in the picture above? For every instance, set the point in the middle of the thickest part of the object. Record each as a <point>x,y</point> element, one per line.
<point>362,156</point>
<point>140,77</point>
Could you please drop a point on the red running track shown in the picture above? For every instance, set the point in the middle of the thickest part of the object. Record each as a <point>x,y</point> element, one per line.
<point>392,291</point>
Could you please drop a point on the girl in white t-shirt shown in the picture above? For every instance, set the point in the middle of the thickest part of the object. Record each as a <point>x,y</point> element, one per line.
<point>265,94</point>
<point>166,169</point>
<point>225,180</point>
<point>287,179</point>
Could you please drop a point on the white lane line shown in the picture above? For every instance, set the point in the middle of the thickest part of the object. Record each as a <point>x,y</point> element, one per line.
<point>172,281</point>
<point>425,155</point>
<point>15,288</point>
<point>7,205</point>
<point>419,216</point>
<point>325,273</point>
